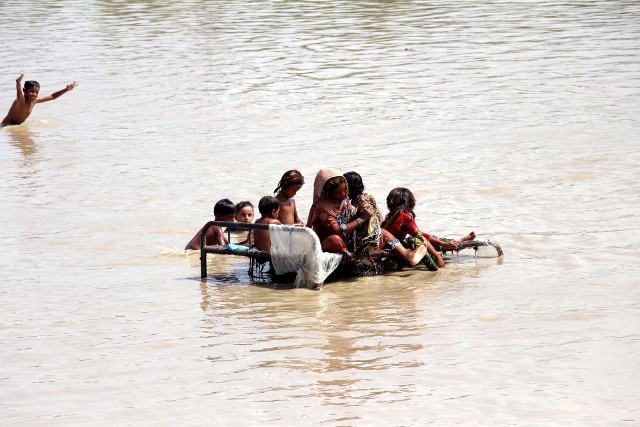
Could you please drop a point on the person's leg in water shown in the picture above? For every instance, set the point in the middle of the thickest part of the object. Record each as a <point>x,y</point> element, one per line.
<point>445,244</point>
<point>470,236</point>
<point>334,244</point>
<point>434,254</point>
<point>411,256</point>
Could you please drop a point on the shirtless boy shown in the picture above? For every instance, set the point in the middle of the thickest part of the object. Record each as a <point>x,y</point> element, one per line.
<point>224,210</point>
<point>269,208</point>
<point>27,99</point>
<point>289,185</point>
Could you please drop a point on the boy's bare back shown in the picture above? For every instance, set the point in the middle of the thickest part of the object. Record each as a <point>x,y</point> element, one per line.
<point>27,99</point>
<point>262,240</point>
<point>215,236</point>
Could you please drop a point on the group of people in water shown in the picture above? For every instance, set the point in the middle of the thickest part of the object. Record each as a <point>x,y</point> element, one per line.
<point>345,218</point>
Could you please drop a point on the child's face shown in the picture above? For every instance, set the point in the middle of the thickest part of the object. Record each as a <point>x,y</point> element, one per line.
<point>291,190</point>
<point>32,93</point>
<point>275,213</point>
<point>340,192</point>
<point>227,218</point>
<point>245,215</point>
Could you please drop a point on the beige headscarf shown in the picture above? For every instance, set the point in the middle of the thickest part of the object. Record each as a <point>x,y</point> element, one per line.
<point>321,204</point>
<point>322,177</point>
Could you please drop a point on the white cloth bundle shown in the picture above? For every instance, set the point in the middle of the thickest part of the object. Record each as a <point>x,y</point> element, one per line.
<point>297,249</point>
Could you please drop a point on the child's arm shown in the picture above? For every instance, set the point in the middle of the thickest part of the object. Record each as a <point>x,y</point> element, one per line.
<point>296,218</point>
<point>435,254</point>
<point>19,93</point>
<point>249,240</point>
<point>59,93</point>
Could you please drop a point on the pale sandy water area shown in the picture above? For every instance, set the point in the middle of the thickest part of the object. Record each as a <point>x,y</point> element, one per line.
<point>518,120</point>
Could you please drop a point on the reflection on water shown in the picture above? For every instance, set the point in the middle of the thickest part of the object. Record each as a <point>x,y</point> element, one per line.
<point>22,138</point>
<point>27,143</point>
<point>339,337</point>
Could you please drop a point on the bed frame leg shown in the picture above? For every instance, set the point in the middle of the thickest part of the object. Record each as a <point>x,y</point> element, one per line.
<point>203,265</point>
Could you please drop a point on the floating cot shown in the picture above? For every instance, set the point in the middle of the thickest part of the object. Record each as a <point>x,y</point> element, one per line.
<point>293,250</point>
<point>296,250</point>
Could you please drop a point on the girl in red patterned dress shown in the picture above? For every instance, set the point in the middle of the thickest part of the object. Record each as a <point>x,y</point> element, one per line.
<point>401,221</point>
<point>333,218</point>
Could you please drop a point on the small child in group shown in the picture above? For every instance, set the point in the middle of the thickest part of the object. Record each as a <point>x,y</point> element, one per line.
<point>224,210</point>
<point>290,183</point>
<point>269,208</point>
<point>244,214</point>
<point>401,220</point>
<point>26,99</point>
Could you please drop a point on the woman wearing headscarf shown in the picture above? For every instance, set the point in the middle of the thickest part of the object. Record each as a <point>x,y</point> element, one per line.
<point>334,220</point>
<point>331,212</point>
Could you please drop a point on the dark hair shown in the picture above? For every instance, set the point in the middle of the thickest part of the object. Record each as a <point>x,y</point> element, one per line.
<point>30,83</point>
<point>243,204</point>
<point>267,204</point>
<point>292,177</point>
<point>399,200</point>
<point>354,181</point>
<point>331,184</point>
<point>224,207</point>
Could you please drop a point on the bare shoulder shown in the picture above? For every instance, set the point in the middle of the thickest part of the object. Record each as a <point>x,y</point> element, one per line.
<point>214,230</point>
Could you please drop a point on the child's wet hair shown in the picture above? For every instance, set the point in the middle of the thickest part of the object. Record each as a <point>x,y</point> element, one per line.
<point>224,207</point>
<point>354,181</point>
<point>401,198</point>
<point>289,178</point>
<point>267,204</point>
<point>332,184</point>
<point>243,204</point>
<point>31,83</point>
